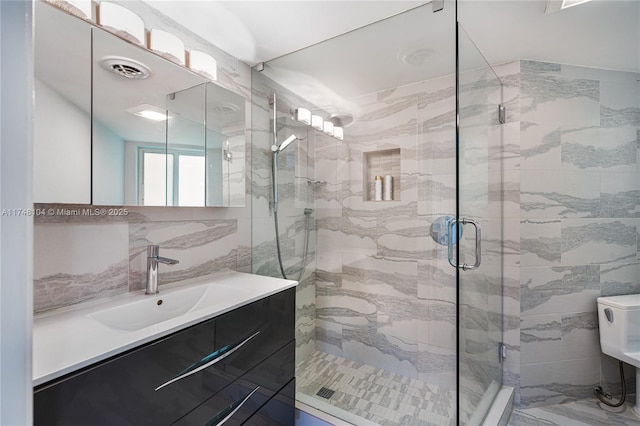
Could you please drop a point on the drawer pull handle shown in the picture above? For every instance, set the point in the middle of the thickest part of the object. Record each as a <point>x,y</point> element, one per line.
<point>226,414</point>
<point>208,361</point>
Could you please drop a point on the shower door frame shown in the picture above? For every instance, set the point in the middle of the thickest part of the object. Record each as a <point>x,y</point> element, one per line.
<point>464,267</point>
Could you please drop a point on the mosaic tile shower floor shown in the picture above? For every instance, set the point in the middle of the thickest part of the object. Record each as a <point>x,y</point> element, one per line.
<point>374,394</point>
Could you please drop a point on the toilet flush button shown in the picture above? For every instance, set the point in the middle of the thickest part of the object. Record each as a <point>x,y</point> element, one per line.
<point>609,313</point>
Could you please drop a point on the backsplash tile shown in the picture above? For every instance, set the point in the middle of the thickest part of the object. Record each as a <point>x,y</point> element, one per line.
<point>75,264</point>
<point>201,242</point>
<point>201,247</point>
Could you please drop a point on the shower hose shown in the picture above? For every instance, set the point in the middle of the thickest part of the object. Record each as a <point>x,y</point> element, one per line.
<point>307,227</point>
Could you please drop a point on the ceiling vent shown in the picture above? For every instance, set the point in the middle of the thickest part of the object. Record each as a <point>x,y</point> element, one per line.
<point>223,108</point>
<point>126,67</point>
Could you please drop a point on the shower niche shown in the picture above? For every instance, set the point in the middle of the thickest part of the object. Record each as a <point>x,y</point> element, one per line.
<point>384,163</point>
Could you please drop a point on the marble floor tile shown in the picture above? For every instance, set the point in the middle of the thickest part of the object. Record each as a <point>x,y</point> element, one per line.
<point>580,413</point>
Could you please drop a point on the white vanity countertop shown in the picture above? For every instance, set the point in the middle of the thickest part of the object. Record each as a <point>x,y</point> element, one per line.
<point>68,339</point>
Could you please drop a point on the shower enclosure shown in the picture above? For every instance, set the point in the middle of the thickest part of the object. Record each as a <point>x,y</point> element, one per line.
<point>400,300</point>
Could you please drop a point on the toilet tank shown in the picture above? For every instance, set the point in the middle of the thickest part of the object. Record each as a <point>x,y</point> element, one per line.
<point>620,333</point>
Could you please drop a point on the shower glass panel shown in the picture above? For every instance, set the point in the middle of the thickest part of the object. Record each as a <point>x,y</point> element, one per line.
<point>376,336</point>
<point>479,195</point>
<point>376,320</point>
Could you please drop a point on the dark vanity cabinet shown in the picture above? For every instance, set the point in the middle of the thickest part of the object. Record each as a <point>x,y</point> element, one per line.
<point>234,368</point>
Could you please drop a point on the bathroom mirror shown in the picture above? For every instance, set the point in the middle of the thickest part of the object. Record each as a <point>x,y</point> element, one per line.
<point>132,123</point>
<point>62,111</point>
<point>162,135</point>
<point>119,125</point>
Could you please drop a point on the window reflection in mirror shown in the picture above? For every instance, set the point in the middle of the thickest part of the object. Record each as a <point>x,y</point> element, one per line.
<point>130,88</point>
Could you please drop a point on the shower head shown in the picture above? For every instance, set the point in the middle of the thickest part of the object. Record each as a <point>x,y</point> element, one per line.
<point>341,120</point>
<point>283,145</point>
<point>287,142</point>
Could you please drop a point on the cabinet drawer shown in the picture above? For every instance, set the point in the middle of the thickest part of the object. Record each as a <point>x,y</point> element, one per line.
<point>122,390</point>
<point>272,318</point>
<point>243,338</point>
<point>280,410</point>
<point>238,401</point>
<point>160,382</point>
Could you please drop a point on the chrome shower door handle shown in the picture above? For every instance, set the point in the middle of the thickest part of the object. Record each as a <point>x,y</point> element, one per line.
<point>465,266</point>
<point>476,264</point>
<point>450,243</point>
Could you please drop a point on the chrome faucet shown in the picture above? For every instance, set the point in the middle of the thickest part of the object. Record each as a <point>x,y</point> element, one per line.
<point>153,259</point>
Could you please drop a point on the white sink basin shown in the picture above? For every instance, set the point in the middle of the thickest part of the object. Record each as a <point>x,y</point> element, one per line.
<point>78,336</point>
<point>150,310</point>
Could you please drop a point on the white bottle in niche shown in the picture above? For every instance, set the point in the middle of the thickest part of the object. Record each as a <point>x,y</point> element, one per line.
<point>378,188</point>
<point>388,188</point>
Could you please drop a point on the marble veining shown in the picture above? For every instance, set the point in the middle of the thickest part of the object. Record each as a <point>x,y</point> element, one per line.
<point>543,285</point>
<point>538,67</point>
<point>621,204</point>
<point>624,117</point>
<point>615,232</point>
<point>64,289</point>
<point>587,156</point>
<point>587,412</point>
<point>545,248</point>
<point>543,88</point>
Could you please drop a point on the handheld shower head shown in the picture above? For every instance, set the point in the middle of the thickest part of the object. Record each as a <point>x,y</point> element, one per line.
<point>283,145</point>
<point>287,142</point>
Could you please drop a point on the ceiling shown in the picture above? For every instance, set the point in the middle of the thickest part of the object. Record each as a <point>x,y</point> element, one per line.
<point>258,31</point>
<point>328,52</point>
<point>602,33</point>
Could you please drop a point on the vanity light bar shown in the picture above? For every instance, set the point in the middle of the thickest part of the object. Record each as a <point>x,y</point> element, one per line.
<point>338,133</point>
<point>82,9</point>
<point>317,122</point>
<point>328,128</point>
<point>167,45</point>
<point>204,64</point>
<point>120,19</point>
<point>304,116</point>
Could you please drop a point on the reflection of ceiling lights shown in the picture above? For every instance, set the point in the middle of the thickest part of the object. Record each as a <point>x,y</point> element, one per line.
<point>149,112</point>
<point>554,6</point>
<point>304,116</point>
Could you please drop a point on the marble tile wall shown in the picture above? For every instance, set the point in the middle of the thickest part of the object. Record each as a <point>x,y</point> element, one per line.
<point>296,193</point>
<point>579,196</point>
<point>385,292</point>
<point>78,256</point>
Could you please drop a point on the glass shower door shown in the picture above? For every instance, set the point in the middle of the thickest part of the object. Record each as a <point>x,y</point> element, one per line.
<point>478,255</point>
